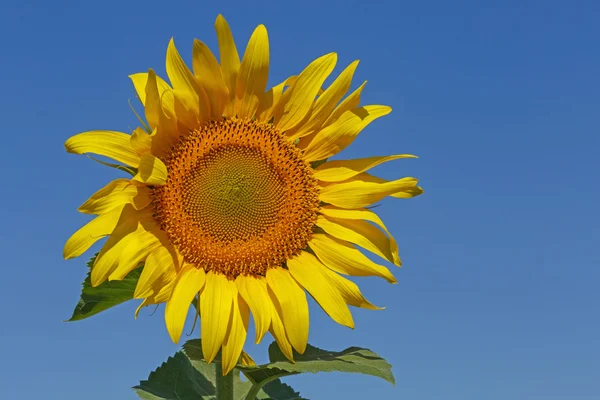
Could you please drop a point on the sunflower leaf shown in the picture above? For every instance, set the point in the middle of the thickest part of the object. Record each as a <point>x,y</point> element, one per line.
<point>177,379</point>
<point>94,300</point>
<point>353,360</point>
<point>186,376</point>
<point>277,390</point>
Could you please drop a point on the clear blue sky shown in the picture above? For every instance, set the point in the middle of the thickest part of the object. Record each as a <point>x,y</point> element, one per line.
<point>498,296</point>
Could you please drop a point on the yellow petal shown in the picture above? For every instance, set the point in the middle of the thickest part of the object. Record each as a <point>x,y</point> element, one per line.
<point>311,274</point>
<point>294,307</point>
<point>216,301</point>
<point>140,141</point>
<point>360,214</point>
<point>326,102</point>
<point>349,291</point>
<point>247,360</point>
<point>230,61</point>
<point>349,103</point>
<point>143,304</point>
<point>161,261</point>
<point>140,81</point>
<point>130,242</point>
<point>299,98</point>
<point>254,73</point>
<point>209,76</point>
<point>161,289</point>
<point>191,102</point>
<point>151,170</point>
<point>91,232</point>
<point>334,138</point>
<point>179,74</point>
<point>270,99</point>
<point>356,192</point>
<point>152,106</point>
<point>136,248</point>
<point>105,143</point>
<point>254,291</point>
<point>165,136</point>
<point>187,115</point>
<point>189,282</point>
<point>117,193</point>
<point>341,170</point>
<point>160,113</point>
<point>278,330</point>
<point>161,118</point>
<point>361,233</point>
<point>236,337</point>
<point>342,257</point>
<point>406,193</point>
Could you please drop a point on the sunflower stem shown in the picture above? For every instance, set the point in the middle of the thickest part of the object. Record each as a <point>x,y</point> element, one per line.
<point>224,383</point>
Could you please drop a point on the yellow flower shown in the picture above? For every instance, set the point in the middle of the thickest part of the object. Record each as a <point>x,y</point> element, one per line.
<point>233,201</point>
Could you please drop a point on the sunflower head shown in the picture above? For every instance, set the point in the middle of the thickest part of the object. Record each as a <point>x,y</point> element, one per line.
<point>233,199</point>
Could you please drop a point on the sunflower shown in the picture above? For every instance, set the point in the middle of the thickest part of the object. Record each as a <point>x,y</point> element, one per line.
<point>232,200</point>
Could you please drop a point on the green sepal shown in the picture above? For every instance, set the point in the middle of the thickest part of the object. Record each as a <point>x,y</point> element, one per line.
<point>130,170</point>
<point>144,124</point>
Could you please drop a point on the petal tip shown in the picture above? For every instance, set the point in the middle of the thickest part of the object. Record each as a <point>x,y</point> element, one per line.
<point>174,338</point>
<point>67,253</point>
<point>174,334</point>
<point>209,358</point>
<point>171,45</point>
<point>95,281</point>
<point>226,368</point>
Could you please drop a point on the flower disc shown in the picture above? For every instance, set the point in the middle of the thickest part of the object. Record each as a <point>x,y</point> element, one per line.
<point>239,198</point>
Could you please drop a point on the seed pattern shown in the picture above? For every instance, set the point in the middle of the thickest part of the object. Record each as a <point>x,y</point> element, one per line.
<point>239,198</point>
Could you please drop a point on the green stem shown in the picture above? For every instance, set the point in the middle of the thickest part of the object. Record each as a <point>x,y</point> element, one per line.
<point>224,383</point>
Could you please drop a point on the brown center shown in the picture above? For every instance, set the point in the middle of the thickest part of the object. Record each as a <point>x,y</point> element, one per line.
<point>239,198</point>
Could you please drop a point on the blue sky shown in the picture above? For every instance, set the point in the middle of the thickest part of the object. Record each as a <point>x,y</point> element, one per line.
<point>498,296</point>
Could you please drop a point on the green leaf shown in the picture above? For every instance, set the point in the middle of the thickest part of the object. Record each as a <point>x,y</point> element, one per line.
<point>177,379</point>
<point>104,296</point>
<point>193,349</point>
<point>353,360</point>
<point>279,391</point>
<point>187,376</point>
